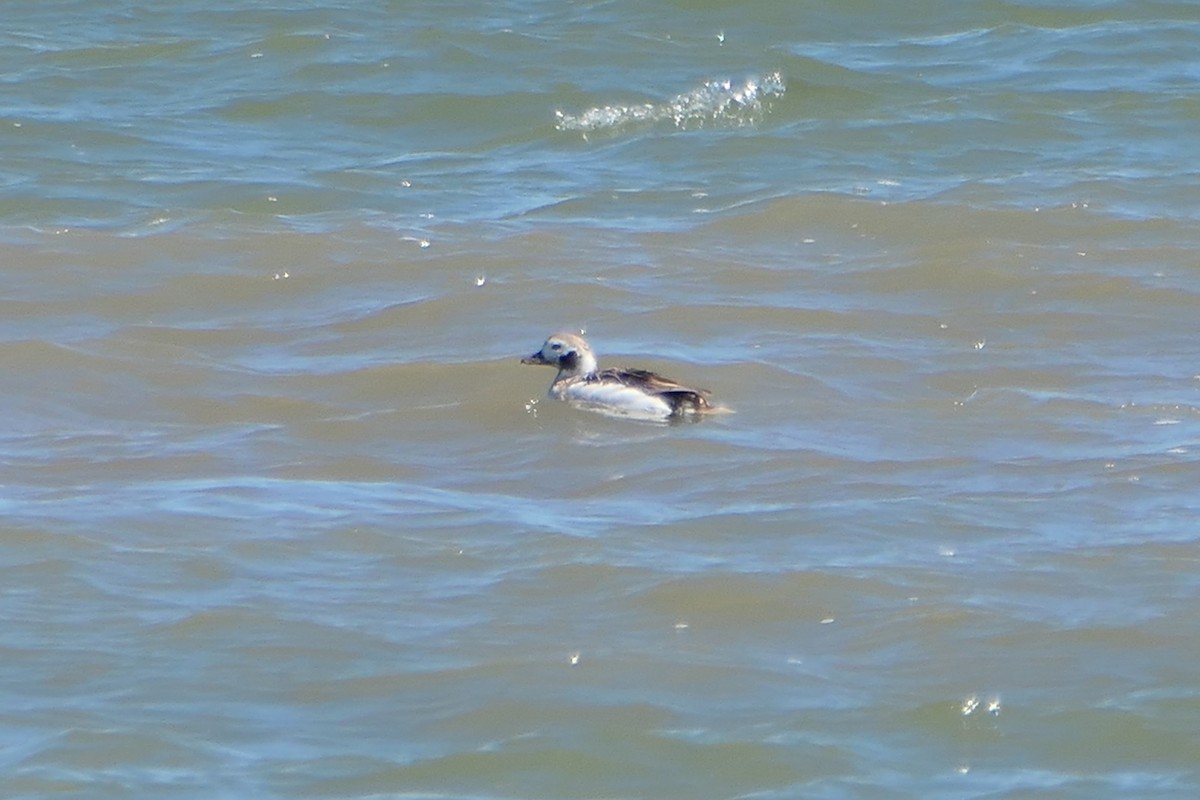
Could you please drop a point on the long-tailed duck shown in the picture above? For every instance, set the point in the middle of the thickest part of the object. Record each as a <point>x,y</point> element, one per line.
<point>624,392</point>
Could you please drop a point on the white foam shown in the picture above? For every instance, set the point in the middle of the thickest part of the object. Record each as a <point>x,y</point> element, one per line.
<point>713,102</point>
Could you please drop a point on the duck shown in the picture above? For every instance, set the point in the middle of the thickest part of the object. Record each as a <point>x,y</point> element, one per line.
<point>618,392</point>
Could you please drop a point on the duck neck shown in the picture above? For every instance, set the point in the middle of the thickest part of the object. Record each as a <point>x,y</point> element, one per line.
<point>579,365</point>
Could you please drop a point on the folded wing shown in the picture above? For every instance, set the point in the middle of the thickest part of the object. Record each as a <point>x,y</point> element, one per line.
<point>680,398</point>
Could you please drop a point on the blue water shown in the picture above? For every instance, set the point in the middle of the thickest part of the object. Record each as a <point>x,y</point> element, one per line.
<point>418,116</point>
<point>283,516</point>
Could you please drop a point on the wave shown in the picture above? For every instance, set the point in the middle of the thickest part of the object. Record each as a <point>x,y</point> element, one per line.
<point>720,102</point>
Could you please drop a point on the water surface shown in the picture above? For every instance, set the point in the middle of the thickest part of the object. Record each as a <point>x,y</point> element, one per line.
<point>284,516</point>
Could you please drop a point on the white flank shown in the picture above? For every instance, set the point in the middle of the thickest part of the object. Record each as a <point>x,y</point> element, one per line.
<point>615,398</point>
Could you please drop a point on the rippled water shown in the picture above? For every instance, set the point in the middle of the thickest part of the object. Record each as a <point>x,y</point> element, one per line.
<point>284,516</point>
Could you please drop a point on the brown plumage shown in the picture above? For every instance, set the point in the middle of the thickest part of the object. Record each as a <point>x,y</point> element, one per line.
<point>680,398</point>
<point>629,392</point>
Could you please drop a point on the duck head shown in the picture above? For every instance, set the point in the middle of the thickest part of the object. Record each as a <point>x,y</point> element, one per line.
<point>567,352</point>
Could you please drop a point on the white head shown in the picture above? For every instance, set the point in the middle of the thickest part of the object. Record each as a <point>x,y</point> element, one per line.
<point>566,351</point>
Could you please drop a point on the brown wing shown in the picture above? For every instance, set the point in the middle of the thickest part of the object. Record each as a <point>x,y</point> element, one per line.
<point>681,398</point>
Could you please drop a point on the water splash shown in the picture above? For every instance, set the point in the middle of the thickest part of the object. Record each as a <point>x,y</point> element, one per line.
<point>712,103</point>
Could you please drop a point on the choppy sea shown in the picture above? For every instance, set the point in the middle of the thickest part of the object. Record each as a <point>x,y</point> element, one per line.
<point>283,516</point>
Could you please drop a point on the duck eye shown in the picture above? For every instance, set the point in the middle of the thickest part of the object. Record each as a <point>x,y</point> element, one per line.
<point>556,346</point>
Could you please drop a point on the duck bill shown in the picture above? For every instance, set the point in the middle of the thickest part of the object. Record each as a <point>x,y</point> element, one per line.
<point>536,358</point>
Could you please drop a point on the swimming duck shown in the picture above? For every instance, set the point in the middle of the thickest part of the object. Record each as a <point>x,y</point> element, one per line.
<point>625,392</point>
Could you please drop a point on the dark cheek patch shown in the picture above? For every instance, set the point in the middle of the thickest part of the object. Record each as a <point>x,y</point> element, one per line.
<point>568,361</point>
